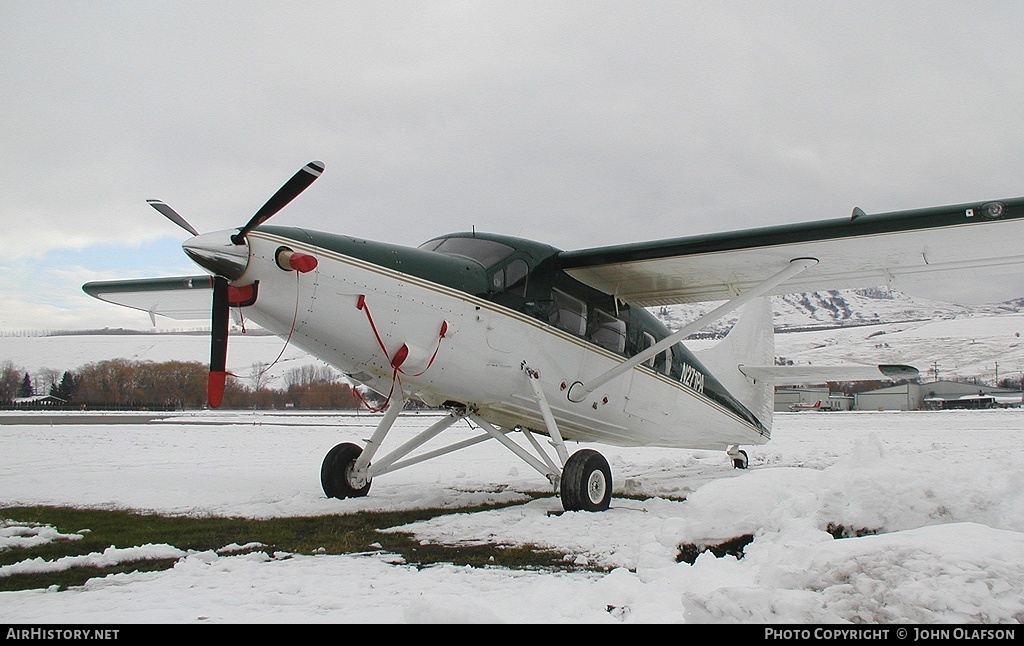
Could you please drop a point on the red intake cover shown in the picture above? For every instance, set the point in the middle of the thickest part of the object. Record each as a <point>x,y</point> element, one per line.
<point>302,262</point>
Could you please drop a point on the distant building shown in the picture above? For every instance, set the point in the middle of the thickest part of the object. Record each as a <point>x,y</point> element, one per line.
<point>937,395</point>
<point>785,398</point>
<point>39,401</point>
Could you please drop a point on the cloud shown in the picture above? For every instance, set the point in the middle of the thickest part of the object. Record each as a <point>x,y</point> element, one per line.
<point>46,292</point>
<point>579,125</point>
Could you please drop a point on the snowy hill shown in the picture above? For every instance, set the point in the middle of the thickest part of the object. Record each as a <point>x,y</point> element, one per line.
<point>870,326</point>
<point>841,308</point>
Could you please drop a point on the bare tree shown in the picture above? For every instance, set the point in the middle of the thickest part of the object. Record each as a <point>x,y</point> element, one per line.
<point>259,377</point>
<point>305,376</point>
<point>10,379</point>
<point>46,380</point>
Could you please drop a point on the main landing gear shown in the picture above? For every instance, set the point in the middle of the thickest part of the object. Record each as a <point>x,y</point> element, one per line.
<point>583,481</point>
<point>337,475</point>
<point>586,483</point>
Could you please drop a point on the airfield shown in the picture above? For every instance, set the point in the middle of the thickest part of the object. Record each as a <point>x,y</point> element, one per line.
<point>936,500</point>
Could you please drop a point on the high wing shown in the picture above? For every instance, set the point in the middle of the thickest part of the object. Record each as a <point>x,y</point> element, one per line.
<point>182,298</point>
<point>925,252</point>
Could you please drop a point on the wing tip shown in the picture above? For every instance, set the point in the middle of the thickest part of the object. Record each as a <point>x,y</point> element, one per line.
<point>899,371</point>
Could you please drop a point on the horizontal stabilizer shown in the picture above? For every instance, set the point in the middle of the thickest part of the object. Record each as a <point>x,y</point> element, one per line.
<point>182,298</point>
<point>797,375</point>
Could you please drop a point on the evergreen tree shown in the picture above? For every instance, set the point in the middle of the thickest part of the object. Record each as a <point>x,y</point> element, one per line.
<point>26,387</point>
<point>66,388</point>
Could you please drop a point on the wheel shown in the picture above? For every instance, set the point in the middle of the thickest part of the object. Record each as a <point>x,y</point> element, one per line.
<point>741,460</point>
<point>336,472</point>
<point>586,482</point>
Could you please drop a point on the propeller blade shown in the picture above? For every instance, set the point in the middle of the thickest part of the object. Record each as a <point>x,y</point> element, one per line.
<point>291,189</point>
<point>172,215</point>
<point>219,344</point>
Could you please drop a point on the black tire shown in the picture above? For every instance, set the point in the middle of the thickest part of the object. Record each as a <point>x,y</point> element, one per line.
<point>586,482</point>
<point>742,461</point>
<point>336,469</point>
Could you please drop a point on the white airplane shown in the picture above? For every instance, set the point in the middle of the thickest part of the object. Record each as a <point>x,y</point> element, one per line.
<point>801,406</point>
<point>518,336</point>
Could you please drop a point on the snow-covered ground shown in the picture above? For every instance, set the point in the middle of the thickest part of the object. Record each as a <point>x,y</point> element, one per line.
<point>941,493</point>
<point>940,496</point>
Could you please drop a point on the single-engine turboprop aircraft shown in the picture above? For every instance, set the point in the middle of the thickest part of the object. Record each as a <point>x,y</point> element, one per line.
<point>518,336</point>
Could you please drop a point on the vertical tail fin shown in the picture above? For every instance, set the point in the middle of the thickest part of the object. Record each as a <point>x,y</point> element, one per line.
<point>750,342</point>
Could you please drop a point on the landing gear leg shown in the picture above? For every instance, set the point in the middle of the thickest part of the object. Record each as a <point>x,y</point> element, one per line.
<point>739,457</point>
<point>585,483</point>
<point>345,472</point>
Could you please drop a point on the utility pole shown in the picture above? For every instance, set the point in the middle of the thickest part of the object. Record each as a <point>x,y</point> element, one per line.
<point>935,370</point>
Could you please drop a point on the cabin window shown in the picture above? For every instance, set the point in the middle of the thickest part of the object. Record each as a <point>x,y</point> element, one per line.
<point>510,275</point>
<point>568,313</point>
<point>608,332</point>
<point>648,342</point>
<point>516,272</point>
<point>660,361</point>
<point>663,362</point>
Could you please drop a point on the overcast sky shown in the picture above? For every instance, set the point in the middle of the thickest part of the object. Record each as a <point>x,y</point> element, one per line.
<point>575,123</point>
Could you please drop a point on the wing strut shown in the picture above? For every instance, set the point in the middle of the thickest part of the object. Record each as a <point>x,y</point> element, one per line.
<point>579,390</point>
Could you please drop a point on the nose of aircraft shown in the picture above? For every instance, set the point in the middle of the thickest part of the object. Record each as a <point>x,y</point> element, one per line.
<point>217,253</point>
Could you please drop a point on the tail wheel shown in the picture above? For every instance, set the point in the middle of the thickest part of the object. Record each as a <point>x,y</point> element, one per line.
<point>336,475</point>
<point>586,482</point>
<point>740,460</point>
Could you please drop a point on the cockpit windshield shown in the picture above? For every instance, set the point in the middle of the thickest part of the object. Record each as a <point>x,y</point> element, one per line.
<point>485,252</point>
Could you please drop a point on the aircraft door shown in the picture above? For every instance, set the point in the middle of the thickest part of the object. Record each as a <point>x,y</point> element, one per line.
<point>508,288</point>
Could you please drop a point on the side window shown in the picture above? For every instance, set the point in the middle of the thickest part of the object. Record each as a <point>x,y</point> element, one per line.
<point>568,313</point>
<point>648,342</point>
<point>608,332</point>
<point>660,361</point>
<point>674,362</point>
<point>510,276</point>
<point>515,274</point>
<point>663,362</point>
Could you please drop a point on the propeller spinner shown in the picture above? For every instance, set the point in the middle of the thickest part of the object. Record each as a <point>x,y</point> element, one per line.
<point>226,254</point>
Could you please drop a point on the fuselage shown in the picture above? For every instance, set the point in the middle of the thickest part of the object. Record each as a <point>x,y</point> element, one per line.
<point>459,320</point>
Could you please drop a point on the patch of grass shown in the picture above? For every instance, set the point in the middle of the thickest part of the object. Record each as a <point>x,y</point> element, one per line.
<point>339,534</point>
<point>689,552</point>
<point>841,531</point>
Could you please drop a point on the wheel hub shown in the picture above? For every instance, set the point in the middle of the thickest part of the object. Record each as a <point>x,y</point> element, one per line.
<point>596,486</point>
<point>356,479</point>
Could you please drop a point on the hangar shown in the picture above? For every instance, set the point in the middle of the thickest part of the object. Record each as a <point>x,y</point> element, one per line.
<point>936,395</point>
<point>786,398</point>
